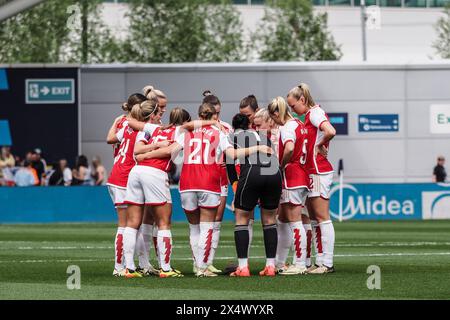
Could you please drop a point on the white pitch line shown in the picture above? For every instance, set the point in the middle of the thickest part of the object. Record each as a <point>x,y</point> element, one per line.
<point>400,254</point>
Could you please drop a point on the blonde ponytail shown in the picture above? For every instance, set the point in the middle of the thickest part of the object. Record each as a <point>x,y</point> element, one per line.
<point>143,111</point>
<point>279,105</point>
<point>302,90</point>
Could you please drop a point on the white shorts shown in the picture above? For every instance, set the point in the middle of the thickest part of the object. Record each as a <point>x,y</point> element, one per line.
<point>224,191</point>
<point>192,200</point>
<point>294,196</point>
<point>321,185</point>
<point>118,196</point>
<point>149,186</point>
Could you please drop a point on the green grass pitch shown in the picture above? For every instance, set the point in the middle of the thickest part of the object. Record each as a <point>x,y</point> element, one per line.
<point>414,258</point>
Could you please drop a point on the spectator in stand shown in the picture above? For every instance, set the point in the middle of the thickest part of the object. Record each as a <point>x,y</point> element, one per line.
<point>37,164</point>
<point>67,173</point>
<point>99,172</point>
<point>439,173</point>
<point>7,162</point>
<point>56,177</point>
<point>26,176</point>
<point>81,174</point>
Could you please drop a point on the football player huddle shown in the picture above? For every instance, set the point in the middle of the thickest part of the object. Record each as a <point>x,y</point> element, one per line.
<point>269,157</point>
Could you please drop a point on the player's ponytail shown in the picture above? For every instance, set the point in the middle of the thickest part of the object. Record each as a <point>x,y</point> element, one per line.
<point>206,111</point>
<point>302,90</point>
<point>209,97</point>
<point>279,105</point>
<point>133,99</point>
<point>143,111</point>
<point>177,117</point>
<point>151,93</point>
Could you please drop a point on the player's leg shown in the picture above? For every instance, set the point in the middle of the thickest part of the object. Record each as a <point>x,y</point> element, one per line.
<point>134,218</point>
<point>217,226</point>
<point>270,194</point>
<point>165,245</point>
<point>325,229</point>
<point>119,261</point>
<point>293,233</point>
<point>189,203</point>
<point>118,197</point>
<point>308,229</point>
<point>241,238</point>
<point>143,243</point>
<point>207,216</point>
<point>251,222</point>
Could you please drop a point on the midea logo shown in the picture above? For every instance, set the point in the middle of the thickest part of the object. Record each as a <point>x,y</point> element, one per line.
<point>354,204</point>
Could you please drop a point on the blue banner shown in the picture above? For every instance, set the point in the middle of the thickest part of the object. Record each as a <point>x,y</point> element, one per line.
<point>415,201</point>
<point>3,80</point>
<point>339,122</point>
<point>378,123</point>
<point>403,201</point>
<point>5,134</point>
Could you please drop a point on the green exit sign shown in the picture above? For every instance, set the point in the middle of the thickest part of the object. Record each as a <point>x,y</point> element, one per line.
<point>49,91</point>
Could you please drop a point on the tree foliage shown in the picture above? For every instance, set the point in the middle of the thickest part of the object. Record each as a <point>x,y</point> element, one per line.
<point>290,31</point>
<point>183,31</point>
<point>442,44</point>
<point>50,33</point>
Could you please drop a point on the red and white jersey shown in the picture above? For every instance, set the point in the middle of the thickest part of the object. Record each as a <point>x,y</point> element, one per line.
<point>124,160</point>
<point>152,134</point>
<point>295,174</point>
<point>223,169</point>
<point>316,163</point>
<point>119,126</point>
<point>203,150</point>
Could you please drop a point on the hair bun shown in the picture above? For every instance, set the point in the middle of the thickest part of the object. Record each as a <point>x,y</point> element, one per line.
<point>147,89</point>
<point>207,93</point>
<point>125,107</point>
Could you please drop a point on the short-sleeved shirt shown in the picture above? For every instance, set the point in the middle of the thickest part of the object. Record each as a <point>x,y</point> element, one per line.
<point>295,173</point>
<point>203,149</point>
<point>124,160</point>
<point>440,173</point>
<point>152,134</point>
<point>316,163</point>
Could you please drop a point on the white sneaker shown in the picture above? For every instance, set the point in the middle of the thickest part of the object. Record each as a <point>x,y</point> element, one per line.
<point>292,270</point>
<point>312,268</point>
<point>194,269</point>
<point>322,270</point>
<point>205,273</point>
<point>119,273</point>
<point>214,269</point>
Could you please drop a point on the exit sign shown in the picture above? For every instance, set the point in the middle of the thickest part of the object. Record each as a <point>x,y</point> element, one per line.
<point>49,91</point>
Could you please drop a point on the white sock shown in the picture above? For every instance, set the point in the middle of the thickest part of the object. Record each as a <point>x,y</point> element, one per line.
<point>327,231</point>
<point>204,244</point>
<point>119,262</point>
<point>215,241</point>
<point>194,236</point>
<point>129,244</point>
<point>250,234</point>
<point>270,262</point>
<point>155,242</point>
<point>317,242</point>
<point>143,245</point>
<point>243,262</point>
<point>308,230</point>
<point>284,243</point>
<point>164,249</point>
<point>298,244</point>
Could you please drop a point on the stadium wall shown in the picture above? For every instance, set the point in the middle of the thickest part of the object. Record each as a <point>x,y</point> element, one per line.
<point>407,91</point>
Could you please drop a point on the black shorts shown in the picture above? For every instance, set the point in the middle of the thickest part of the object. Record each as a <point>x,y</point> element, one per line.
<point>256,185</point>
